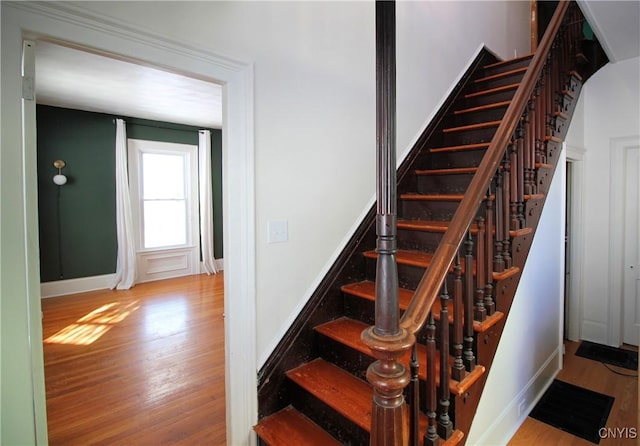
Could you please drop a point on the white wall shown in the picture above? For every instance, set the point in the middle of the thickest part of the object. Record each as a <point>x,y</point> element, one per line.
<point>315,111</point>
<point>314,122</point>
<point>529,354</point>
<point>610,106</point>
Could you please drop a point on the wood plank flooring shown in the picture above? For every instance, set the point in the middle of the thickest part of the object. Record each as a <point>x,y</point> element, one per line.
<point>138,367</point>
<point>146,367</point>
<point>594,376</point>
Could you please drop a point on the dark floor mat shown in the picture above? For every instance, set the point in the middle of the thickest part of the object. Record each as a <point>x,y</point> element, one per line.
<point>578,411</point>
<point>611,355</point>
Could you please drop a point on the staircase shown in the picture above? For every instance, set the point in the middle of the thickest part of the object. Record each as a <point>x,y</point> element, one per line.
<point>314,390</point>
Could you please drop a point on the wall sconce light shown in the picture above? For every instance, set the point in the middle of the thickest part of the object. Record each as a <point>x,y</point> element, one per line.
<point>59,179</point>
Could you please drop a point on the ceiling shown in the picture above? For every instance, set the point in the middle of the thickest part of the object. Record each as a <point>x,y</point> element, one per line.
<point>617,26</point>
<point>71,78</point>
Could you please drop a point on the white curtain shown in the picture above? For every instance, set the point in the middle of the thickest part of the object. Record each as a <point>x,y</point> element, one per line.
<point>206,202</point>
<point>126,263</point>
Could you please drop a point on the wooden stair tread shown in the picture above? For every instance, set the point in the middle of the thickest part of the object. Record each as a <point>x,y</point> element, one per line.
<point>289,427</point>
<point>482,107</point>
<point>560,114</point>
<point>492,90</point>
<point>508,61</point>
<point>552,138</point>
<point>337,388</point>
<point>441,227</point>
<point>480,125</point>
<point>575,74</point>
<point>453,171</point>
<point>508,272</point>
<point>507,73</point>
<point>366,289</point>
<point>348,331</point>
<point>482,145</point>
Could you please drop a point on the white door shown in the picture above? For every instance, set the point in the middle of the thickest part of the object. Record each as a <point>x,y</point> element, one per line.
<point>164,200</point>
<point>631,259</point>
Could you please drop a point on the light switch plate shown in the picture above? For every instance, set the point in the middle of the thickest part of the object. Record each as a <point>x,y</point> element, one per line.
<point>277,231</point>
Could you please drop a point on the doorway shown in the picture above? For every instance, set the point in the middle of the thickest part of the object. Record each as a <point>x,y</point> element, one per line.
<point>573,244</point>
<point>54,22</point>
<point>624,251</point>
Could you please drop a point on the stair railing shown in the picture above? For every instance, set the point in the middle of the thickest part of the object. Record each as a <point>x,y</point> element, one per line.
<point>505,178</point>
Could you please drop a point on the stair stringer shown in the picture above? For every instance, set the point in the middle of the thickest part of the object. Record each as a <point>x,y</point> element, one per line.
<point>529,353</point>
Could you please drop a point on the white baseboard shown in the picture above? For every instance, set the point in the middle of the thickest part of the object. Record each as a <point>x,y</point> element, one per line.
<point>516,412</point>
<point>72,286</point>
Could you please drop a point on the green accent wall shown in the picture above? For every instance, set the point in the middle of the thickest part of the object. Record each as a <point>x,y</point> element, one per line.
<point>77,226</point>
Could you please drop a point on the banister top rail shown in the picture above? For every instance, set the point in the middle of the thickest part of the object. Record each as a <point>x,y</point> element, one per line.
<point>429,286</point>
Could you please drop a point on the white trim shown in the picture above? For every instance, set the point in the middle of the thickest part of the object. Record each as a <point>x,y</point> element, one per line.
<point>61,21</point>
<point>575,156</point>
<point>73,286</point>
<point>508,421</point>
<point>616,238</point>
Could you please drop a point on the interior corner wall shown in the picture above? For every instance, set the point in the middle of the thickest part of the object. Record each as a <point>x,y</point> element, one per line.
<point>529,354</point>
<point>611,107</point>
<point>77,222</point>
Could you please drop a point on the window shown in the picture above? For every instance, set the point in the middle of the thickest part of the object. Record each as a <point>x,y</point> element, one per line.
<point>164,193</point>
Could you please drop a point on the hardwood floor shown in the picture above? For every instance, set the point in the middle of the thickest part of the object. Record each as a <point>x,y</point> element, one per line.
<point>594,376</point>
<point>146,367</point>
<point>138,367</point>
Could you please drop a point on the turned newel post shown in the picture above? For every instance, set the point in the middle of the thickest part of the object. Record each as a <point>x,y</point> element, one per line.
<point>387,341</point>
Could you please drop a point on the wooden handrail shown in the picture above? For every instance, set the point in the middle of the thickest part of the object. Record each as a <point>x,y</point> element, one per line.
<point>429,286</point>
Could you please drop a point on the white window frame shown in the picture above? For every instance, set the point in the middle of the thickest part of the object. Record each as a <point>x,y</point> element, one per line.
<point>166,261</point>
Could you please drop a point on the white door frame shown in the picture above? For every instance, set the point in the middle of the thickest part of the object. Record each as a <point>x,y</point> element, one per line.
<point>616,238</point>
<point>70,23</point>
<point>575,156</point>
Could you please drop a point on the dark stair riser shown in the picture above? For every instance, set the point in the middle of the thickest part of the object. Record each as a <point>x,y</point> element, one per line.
<point>469,136</point>
<point>431,210</point>
<point>495,68</point>
<point>325,416</point>
<point>443,183</point>
<point>459,158</point>
<point>464,117</point>
<point>486,82</point>
<point>485,99</point>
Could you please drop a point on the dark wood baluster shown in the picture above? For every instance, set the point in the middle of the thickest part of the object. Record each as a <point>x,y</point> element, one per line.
<point>457,369</point>
<point>498,260</point>
<point>519,173</point>
<point>414,398</point>
<point>514,176</point>
<point>489,304</point>
<point>540,123</point>
<point>529,147</point>
<point>506,211</point>
<point>548,87</point>
<point>468,356</point>
<point>445,427</point>
<point>480,312</point>
<point>431,435</point>
<point>531,161</point>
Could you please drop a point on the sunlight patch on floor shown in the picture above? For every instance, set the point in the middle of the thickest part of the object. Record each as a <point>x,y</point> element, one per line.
<point>92,326</point>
